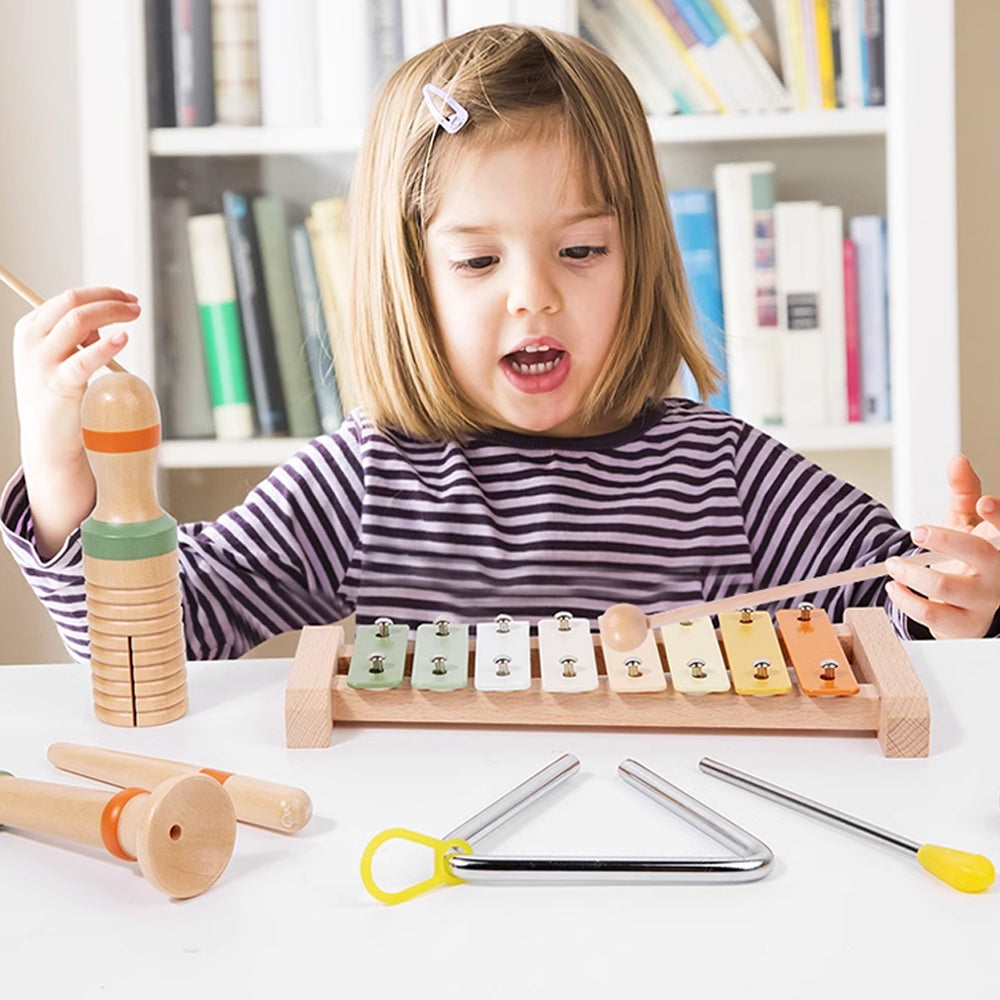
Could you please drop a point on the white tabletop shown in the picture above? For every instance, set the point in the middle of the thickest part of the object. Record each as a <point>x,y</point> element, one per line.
<point>838,916</point>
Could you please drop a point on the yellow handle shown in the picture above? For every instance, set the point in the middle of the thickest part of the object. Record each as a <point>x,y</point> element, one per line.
<point>443,874</point>
<point>961,870</point>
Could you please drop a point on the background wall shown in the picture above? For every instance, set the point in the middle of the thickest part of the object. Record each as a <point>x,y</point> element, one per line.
<point>40,235</point>
<point>39,240</point>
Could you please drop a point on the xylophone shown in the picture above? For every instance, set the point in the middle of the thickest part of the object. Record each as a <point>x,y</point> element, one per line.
<point>674,670</point>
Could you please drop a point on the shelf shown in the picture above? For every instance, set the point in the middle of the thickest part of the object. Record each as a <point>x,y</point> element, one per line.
<point>266,453</point>
<point>222,140</point>
<point>255,453</point>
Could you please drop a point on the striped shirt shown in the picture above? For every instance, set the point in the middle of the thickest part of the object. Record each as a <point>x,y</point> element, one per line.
<point>686,504</point>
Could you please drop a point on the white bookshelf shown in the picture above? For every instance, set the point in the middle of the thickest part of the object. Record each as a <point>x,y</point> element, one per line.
<point>899,160</point>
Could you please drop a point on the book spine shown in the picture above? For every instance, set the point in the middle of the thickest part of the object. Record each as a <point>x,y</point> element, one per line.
<point>852,342</point>
<point>287,63</point>
<point>258,337</point>
<point>194,86</point>
<point>868,234</point>
<point>832,313</point>
<point>345,66</point>
<point>874,42</point>
<point>824,54</point>
<point>286,323</point>
<point>159,65</point>
<point>316,333</point>
<point>693,213</point>
<point>215,291</point>
<point>836,53</point>
<point>237,62</point>
<point>181,377</point>
<point>850,54</point>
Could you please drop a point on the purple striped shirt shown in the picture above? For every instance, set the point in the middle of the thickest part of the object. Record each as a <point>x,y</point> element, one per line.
<point>684,505</point>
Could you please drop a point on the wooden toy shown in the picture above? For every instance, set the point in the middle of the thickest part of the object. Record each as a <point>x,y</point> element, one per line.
<point>262,803</point>
<point>959,869</point>
<point>182,832</point>
<point>137,658</point>
<point>454,860</point>
<point>138,667</point>
<point>874,685</point>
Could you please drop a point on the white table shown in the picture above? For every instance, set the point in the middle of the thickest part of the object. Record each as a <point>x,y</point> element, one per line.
<point>838,916</point>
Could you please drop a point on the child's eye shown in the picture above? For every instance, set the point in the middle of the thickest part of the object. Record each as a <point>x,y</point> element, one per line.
<point>583,252</point>
<point>475,263</point>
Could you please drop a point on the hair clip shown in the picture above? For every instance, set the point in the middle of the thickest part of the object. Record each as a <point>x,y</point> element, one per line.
<point>450,123</point>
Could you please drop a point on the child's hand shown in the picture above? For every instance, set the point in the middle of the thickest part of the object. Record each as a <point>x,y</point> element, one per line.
<point>50,376</point>
<point>961,596</point>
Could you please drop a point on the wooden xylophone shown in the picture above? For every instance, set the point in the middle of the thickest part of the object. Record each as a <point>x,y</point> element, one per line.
<point>801,673</point>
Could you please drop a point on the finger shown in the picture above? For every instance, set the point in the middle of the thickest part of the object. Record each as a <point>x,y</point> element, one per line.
<point>80,325</point>
<point>73,374</point>
<point>943,620</point>
<point>954,543</point>
<point>965,490</point>
<point>956,588</point>
<point>42,319</point>
<point>988,509</point>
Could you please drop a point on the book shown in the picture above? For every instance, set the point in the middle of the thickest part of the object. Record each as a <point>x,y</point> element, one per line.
<point>788,22</point>
<point>869,235</point>
<point>833,313</point>
<point>824,54</point>
<point>286,322</point>
<point>873,34</point>
<point>193,66</point>
<point>160,107</point>
<point>181,374</point>
<point>799,255</point>
<point>810,50</point>
<point>287,53</point>
<point>852,346</point>
<point>317,337</point>
<point>745,197</point>
<point>327,226</point>
<point>235,57</point>
<point>255,315</point>
<point>693,213</point>
<point>852,87</point>
<point>599,24</point>
<point>744,25</point>
<point>225,361</point>
<point>699,60</point>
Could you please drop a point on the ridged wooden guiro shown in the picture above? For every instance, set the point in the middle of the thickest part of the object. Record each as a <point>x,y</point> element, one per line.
<point>130,567</point>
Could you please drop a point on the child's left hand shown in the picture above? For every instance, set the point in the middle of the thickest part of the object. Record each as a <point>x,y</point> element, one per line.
<point>962,595</point>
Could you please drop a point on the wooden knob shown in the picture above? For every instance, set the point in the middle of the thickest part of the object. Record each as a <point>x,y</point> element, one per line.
<point>623,627</point>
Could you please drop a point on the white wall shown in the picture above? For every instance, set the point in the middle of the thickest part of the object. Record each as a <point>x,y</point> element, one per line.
<point>39,239</point>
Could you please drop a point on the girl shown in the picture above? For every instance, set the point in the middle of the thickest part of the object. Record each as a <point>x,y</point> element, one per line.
<point>520,313</point>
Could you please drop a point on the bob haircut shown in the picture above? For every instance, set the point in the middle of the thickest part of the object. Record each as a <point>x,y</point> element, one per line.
<point>514,81</point>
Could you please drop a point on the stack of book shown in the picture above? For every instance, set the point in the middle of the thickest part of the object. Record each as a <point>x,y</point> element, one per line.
<point>301,63</point>
<point>253,318</point>
<point>793,307</point>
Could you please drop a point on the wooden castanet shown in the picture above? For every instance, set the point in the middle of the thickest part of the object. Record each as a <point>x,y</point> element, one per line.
<point>262,803</point>
<point>130,561</point>
<point>181,833</point>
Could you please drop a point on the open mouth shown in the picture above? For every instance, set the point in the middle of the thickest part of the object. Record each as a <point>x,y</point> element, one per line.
<point>534,361</point>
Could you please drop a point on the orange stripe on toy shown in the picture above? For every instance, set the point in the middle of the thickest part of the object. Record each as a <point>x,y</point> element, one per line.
<point>122,442</point>
<point>109,821</point>
<point>220,776</point>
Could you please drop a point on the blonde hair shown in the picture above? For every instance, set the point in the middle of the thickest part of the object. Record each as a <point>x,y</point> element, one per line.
<point>504,75</point>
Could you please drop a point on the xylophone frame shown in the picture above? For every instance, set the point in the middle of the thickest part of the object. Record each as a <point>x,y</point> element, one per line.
<point>892,702</point>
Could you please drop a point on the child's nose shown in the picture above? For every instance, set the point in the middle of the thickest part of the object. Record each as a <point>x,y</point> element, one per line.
<point>533,290</point>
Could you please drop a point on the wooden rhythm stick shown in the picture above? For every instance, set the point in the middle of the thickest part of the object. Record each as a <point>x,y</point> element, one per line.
<point>182,832</point>
<point>34,299</point>
<point>137,651</point>
<point>262,803</point>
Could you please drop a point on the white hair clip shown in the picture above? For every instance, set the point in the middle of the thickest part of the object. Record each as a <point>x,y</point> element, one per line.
<point>450,123</point>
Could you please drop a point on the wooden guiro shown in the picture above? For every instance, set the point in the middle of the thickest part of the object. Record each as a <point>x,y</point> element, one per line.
<point>137,652</point>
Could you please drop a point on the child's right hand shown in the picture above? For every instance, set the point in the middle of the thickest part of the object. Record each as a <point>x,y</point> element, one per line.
<point>56,351</point>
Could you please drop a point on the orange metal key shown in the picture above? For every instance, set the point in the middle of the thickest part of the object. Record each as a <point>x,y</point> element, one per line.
<point>815,652</point>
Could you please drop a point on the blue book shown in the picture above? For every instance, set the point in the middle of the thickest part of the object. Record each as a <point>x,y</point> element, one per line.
<point>693,212</point>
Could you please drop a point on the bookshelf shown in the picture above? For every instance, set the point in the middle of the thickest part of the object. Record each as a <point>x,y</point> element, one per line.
<point>899,160</point>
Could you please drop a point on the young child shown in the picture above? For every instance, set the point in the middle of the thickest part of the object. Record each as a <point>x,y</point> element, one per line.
<point>519,315</point>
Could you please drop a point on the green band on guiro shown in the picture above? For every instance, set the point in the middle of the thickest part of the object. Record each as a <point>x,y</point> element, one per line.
<point>120,542</point>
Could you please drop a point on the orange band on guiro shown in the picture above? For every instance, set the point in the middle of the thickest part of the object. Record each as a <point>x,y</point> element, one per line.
<point>122,442</point>
<point>109,821</point>
<point>220,776</point>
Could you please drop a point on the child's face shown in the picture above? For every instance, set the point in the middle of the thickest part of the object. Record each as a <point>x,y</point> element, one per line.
<point>526,276</point>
